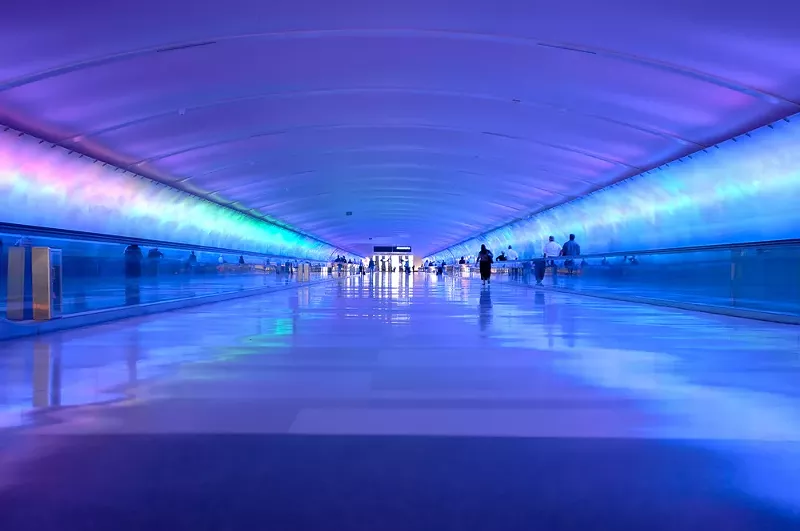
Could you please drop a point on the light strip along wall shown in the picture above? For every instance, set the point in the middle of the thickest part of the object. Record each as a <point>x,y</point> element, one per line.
<point>742,190</point>
<point>47,186</point>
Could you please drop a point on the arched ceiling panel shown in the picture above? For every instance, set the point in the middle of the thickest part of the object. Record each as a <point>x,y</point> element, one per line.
<point>396,107</point>
<point>524,155</point>
<point>473,116</point>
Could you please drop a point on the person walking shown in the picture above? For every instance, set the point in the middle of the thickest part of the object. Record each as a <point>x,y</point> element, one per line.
<point>552,251</point>
<point>154,257</point>
<point>485,259</point>
<point>133,261</point>
<point>511,254</point>
<point>539,269</point>
<point>571,250</point>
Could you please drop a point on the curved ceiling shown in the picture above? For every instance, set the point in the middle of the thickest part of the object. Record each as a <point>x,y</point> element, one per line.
<point>430,124</point>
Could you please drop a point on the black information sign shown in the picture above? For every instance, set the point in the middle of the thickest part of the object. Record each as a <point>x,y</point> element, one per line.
<point>389,249</point>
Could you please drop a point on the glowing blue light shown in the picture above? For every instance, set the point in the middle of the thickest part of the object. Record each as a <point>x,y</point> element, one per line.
<point>48,187</point>
<point>742,190</point>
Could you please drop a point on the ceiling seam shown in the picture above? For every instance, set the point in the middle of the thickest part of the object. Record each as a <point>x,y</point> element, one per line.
<point>400,32</point>
<point>361,90</point>
<point>432,127</point>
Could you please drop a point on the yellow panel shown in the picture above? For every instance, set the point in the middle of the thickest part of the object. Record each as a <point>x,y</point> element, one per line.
<point>42,284</point>
<point>16,284</point>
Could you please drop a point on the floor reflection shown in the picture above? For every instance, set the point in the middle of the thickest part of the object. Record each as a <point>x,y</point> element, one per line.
<point>485,305</point>
<point>46,375</point>
<point>390,354</point>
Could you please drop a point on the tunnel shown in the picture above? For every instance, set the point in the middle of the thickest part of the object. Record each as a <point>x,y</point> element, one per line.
<point>416,265</point>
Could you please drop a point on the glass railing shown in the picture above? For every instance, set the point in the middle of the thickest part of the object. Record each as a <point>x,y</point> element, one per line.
<point>763,277</point>
<point>98,275</point>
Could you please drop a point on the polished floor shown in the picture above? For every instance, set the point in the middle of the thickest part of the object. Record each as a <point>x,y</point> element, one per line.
<point>400,402</point>
<point>83,294</point>
<point>712,291</point>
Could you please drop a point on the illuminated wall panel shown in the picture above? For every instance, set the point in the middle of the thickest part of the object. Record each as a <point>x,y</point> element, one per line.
<point>741,190</point>
<point>48,187</point>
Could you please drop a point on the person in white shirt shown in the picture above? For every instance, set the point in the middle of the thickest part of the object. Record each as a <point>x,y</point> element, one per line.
<point>511,254</point>
<point>552,251</point>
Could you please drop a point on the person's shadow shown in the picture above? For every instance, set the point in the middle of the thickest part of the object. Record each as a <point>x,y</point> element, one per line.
<point>485,308</point>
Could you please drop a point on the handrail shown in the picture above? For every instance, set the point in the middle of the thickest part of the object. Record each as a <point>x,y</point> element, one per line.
<point>696,248</point>
<point>676,250</point>
<point>91,237</point>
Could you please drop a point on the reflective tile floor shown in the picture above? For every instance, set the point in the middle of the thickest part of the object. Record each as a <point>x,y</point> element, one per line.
<point>404,403</point>
<point>87,294</point>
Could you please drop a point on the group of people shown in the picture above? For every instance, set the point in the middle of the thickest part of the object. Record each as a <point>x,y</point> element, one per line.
<point>138,264</point>
<point>552,251</point>
<point>439,267</point>
<point>404,265</point>
<point>570,250</point>
<point>340,264</point>
<point>508,255</point>
<point>485,259</point>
